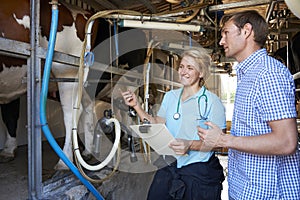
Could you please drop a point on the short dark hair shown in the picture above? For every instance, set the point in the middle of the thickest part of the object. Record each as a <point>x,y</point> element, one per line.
<point>258,22</point>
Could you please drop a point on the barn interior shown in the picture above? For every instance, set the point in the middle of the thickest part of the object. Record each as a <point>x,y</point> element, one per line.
<point>31,175</point>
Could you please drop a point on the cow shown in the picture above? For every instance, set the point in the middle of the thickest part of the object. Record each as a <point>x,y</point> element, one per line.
<point>14,24</point>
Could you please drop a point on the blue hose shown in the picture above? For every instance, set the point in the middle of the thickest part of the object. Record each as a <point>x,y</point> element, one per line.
<point>43,99</point>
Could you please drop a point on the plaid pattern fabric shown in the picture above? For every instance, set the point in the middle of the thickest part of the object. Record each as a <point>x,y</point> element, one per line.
<point>265,92</point>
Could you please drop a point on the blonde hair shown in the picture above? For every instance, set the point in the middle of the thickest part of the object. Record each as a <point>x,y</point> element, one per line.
<point>203,60</point>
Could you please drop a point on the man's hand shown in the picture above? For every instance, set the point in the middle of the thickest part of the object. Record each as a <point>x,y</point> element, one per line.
<point>211,137</point>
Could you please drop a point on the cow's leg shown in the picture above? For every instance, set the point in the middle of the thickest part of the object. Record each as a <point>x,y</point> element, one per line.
<point>10,115</point>
<point>66,94</point>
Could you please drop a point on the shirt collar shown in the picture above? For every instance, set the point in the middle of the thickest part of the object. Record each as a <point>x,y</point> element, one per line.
<point>246,64</point>
<point>198,94</point>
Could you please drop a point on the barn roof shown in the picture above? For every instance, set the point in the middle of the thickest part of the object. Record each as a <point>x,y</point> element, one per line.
<point>273,10</point>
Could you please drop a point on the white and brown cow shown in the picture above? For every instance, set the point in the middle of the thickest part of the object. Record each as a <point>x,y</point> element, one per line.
<point>14,24</point>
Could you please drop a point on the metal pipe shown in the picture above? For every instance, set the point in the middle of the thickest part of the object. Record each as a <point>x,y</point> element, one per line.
<point>33,90</point>
<point>242,4</point>
<point>162,18</point>
<point>147,88</point>
<point>270,10</point>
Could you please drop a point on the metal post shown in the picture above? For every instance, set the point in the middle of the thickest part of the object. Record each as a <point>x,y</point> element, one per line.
<point>33,99</point>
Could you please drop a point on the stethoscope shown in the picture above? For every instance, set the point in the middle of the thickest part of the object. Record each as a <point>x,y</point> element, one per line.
<point>176,116</point>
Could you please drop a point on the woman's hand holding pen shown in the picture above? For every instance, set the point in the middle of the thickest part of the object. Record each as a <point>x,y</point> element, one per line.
<point>129,98</point>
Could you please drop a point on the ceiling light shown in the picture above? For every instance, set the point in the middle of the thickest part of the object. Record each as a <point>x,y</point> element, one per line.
<point>159,25</point>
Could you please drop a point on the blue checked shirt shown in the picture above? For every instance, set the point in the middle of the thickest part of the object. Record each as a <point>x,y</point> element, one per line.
<point>265,92</point>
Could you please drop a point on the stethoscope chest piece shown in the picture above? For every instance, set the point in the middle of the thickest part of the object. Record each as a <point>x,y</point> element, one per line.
<point>176,116</point>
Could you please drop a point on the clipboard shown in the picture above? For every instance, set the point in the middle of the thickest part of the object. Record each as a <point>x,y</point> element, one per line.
<point>157,136</point>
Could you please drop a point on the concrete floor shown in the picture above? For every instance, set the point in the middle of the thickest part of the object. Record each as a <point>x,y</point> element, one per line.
<point>14,175</point>
<point>224,161</point>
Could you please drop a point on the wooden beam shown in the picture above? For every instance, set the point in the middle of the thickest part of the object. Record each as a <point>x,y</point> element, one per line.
<point>98,4</point>
<point>149,6</point>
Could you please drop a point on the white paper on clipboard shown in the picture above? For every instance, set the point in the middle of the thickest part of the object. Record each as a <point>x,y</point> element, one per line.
<point>157,136</point>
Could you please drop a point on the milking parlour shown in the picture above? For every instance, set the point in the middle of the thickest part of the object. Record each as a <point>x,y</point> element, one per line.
<point>84,85</point>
